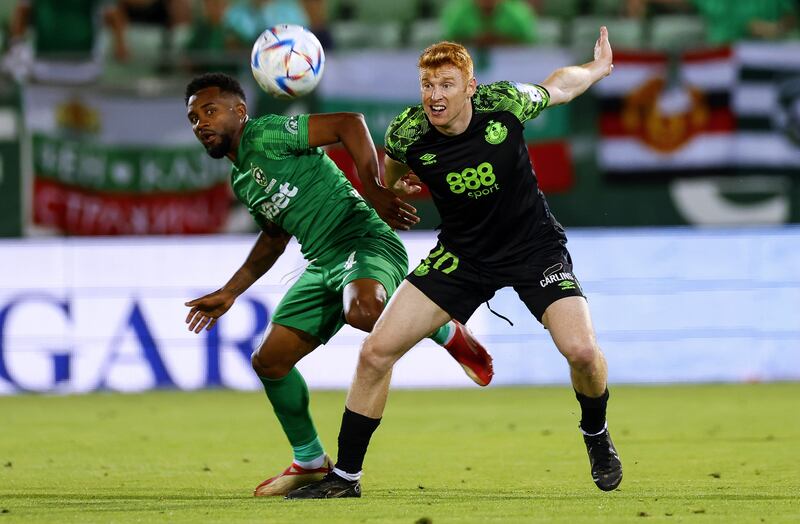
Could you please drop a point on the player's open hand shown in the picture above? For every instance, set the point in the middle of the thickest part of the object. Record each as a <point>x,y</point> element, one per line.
<point>407,185</point>
<point>398,214</point>
<point>207,309</point>
<point>603,56</point>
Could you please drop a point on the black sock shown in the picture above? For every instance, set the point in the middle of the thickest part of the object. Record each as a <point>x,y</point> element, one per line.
<point>354,438</point>
<point>593,412</point>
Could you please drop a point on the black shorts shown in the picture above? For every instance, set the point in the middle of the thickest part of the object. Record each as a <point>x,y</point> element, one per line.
<point>459,286</point>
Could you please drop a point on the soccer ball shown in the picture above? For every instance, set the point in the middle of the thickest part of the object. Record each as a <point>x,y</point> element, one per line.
<point>287,61</point>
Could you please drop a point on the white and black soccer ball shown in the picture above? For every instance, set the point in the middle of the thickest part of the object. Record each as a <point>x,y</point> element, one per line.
<point>287,61</point>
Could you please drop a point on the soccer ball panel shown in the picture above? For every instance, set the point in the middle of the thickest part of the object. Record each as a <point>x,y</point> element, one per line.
<point>287,61</point>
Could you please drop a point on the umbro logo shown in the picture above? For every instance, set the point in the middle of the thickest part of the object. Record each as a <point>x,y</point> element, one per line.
<point>428,159</point>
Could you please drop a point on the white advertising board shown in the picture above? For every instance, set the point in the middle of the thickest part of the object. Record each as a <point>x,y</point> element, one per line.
<point>78,315</point>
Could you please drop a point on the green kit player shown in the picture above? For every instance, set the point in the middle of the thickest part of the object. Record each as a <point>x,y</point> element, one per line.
<point>356,261</point>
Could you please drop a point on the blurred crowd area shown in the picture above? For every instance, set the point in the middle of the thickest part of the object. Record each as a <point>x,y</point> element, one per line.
<point>122,39</point>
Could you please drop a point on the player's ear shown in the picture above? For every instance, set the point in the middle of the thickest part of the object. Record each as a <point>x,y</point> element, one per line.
<point>472,86</point>
<point>241,111</point>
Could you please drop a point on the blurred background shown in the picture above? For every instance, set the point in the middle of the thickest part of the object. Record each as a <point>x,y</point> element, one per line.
<point>678,178</point>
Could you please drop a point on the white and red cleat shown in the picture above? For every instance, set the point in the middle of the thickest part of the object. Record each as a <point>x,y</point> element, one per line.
<point>471,354</point>
<point>292,478</point>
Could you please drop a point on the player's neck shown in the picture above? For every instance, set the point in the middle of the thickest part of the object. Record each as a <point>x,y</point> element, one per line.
<point>459,124</point>
<point>232,154</point>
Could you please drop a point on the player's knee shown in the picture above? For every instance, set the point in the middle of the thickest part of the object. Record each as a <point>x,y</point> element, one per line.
<point>270,367</point>
<point>375,357</point>
<point>581,355</point>
<point>363,313</point>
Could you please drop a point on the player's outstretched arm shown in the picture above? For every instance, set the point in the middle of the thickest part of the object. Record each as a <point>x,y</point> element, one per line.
<point>398,178</point>
<point>351,130</point>
<point>567,83</point>
<point>205,311</point>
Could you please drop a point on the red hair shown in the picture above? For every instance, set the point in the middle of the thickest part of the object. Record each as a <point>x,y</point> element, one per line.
<point>447,53</point>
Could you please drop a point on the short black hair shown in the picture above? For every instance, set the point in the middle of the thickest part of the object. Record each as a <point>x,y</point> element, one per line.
<point>225,83</point>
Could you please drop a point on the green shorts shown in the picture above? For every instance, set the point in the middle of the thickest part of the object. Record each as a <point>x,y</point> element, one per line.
<point>314,303</point>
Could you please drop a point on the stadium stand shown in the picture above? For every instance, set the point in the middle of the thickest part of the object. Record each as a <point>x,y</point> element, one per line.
<point>549,31</point>
<point>351,34</point>
<point>423,33</point>
<point>626,32</point>
<point>674,32</point>
<point>564,9</point>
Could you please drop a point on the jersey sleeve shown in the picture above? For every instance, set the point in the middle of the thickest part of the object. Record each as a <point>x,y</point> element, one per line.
<point>525,101</point>
<point>403,131</point>
<point>277,136</point>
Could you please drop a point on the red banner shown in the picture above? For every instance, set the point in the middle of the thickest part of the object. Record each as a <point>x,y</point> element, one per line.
<point>76,211</point>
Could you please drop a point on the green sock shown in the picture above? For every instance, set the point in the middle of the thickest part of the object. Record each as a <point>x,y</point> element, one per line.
<point>441,335</point>
<point>289,399</point>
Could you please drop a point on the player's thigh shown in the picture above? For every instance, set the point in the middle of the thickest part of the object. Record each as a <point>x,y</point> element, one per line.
<point>363,301</point>
<point>542,282</point>
<point>311,306</point>
<point>570,325</point>
<point>372,270</point>
<point>409,317</point>
<point>381,258</point>
<point>553,294</point>
<point>282,348</point>
<point>453,284</point>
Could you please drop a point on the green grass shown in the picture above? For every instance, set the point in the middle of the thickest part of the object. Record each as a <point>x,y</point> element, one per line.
<point>691,454</point>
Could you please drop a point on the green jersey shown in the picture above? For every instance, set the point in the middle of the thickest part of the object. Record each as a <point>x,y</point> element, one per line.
<point>728,21</point>
<point>282,180</point>
<point>512,19</point>
<point>66,27</point>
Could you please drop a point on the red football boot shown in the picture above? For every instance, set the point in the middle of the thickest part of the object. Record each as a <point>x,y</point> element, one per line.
<point>471,354</point>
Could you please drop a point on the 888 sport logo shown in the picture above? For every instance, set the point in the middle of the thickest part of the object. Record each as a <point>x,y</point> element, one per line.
<point>474,181</point>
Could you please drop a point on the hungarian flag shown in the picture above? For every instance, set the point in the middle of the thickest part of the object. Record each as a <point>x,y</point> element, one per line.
<point>107,164</point>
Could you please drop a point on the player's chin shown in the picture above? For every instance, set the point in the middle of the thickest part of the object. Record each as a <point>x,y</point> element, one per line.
<point>215,152</point>
<point>218,150</point>
<point>437,118</point>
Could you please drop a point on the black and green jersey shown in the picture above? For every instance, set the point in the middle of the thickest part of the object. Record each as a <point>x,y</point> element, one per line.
<point>481,180</point>
<point>282,180</point>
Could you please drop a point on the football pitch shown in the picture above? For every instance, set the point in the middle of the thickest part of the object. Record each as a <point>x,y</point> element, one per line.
<point>716,453</point>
